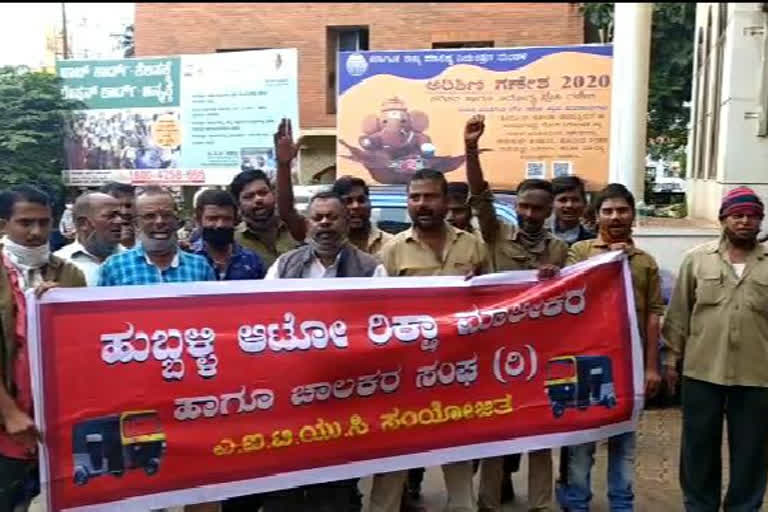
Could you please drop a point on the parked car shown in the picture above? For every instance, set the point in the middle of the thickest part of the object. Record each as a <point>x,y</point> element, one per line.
<point>389,205</point>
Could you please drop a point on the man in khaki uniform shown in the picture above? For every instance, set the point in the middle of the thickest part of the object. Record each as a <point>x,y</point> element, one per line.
<point>526,248</point>
<point>615,207</point>
<point>717,325</point>
<point>363,234</point>
<point>432,247</point>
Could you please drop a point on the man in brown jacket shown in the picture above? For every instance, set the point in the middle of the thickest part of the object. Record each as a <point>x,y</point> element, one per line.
<point>25,218</point>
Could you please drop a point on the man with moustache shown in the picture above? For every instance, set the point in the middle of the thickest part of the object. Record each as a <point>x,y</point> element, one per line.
<point>157,258</point>
<point>125,195</point>
<point>328,254</point>
<point>717,325</point>
<point>527,247</point>
<point>431,247</point>
<point>459,212</point>
<point>570,205</point>
<point>99,228</point>
<point>216,214</point>
<point>261,230</point>
<point>353,192</point>
<point>615,207</point>
<point>27,263</point>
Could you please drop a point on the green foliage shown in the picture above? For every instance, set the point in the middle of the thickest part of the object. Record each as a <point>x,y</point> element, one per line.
<point>32,120</point>
<point>671,70</point>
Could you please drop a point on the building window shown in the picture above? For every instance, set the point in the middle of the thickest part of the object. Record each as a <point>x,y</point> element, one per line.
<point>341,39</point>
<point>463,44</point>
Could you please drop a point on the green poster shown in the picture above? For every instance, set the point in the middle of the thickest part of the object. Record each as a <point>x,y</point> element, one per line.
<point>127,83</point>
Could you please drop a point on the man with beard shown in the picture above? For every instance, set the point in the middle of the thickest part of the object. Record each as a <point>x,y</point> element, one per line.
<point>615,207</point>
<point>431,247</point>
<point>27,263</point>
<point>528,247</point>
<point>328,254</point>
<point>353,191</point>
<point>717,325</point>
<point>570,205</point>
<point>216,213</point>
<point>261,230</point>
<point>99,227</point>
<point>125,195</point>
<point>157,259</point>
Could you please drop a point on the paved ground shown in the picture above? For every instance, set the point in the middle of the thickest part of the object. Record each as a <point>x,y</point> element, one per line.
<point>656,478</point>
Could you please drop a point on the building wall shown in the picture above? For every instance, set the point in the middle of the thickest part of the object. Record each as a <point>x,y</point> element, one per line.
<point>181,28</point>
<point>725,150</point>
<point>178,28</point>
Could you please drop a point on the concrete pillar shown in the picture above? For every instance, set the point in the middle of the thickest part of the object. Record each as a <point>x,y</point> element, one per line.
<point>629,95</point>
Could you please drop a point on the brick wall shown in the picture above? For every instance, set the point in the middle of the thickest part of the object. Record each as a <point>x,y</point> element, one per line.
<point>179,28</point>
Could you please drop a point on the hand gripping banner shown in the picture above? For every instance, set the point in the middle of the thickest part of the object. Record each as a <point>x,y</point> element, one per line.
<point>155,396</point>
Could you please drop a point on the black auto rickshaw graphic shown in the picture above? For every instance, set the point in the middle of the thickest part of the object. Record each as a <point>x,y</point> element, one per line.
<point>116,443</point>
<point>580,381</point>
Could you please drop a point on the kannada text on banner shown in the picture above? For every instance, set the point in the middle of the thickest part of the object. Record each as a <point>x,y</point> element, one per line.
<point>547,112</point>
<point>183,120</point>
<point>186,394</point>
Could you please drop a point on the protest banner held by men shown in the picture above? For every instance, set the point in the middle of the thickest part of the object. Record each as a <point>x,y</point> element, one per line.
<point>459,248</point>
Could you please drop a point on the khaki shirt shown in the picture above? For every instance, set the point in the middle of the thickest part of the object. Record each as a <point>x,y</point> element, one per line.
<point>268,253</point>
<point>645,278</point>
<point>376,240</point>
<point>406,255</point>
<point>717,322</point>
<point>506,252</point>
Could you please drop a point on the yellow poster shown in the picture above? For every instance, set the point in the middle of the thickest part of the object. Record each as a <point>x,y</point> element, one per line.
<point>547,113</point>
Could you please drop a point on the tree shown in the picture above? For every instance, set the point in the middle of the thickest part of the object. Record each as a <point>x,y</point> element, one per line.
<point>33,117</point>
<point>128,42</point>
<point>671,69</point>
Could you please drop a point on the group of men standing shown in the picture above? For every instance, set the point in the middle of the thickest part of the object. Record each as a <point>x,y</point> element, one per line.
<point>716,325</point>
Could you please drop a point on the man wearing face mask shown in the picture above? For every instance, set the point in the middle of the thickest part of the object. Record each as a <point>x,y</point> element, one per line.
<point>527,247</point>
<point>353,191</point>
<point>99,226</point>
<point>216,213</point>
<point>25,218</point>
<point>157,259</point>
<point>328,254</point>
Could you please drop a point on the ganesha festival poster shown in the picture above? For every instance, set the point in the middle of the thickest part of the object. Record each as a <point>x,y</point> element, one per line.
<point>547,112</point>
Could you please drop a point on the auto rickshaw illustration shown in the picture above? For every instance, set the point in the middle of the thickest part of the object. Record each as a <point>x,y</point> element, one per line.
<point>116,443</point>
<point>580,381</point>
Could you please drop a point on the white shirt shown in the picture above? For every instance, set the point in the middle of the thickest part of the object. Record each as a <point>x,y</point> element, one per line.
<point>76,254</point>
<point>315,269</point>
<point>739,269</point>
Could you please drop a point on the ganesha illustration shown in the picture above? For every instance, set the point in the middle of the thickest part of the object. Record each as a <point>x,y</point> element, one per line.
<point>394,145</point>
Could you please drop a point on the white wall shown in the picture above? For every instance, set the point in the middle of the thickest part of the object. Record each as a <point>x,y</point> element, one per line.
<point>742,156</point>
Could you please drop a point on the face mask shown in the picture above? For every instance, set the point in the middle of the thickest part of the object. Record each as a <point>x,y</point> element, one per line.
<point>33,257</point>
<point>219,237</point>
<point>98,247</point>
<point>159,246</point>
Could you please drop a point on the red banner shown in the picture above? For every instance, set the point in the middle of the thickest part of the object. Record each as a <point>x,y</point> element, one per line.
<point>156,396</point>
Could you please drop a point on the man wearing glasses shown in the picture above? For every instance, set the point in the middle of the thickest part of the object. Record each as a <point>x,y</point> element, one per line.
<point>157,257</point>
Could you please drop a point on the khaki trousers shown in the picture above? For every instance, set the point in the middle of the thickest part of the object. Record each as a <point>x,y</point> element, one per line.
<point>387,490</point>
<point>539,482</point>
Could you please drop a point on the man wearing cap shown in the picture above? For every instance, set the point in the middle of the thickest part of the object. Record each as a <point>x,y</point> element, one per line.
<point>717,325</point>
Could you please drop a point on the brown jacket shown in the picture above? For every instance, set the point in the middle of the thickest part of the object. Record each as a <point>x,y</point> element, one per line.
<point>59,271</point>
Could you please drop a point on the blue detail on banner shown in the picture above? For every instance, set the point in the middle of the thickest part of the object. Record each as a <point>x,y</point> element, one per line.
<point>354,67</point>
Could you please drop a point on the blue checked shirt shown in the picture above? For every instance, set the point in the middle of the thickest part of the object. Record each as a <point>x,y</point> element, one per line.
<point>133,267</point>
<point>244,264</point>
